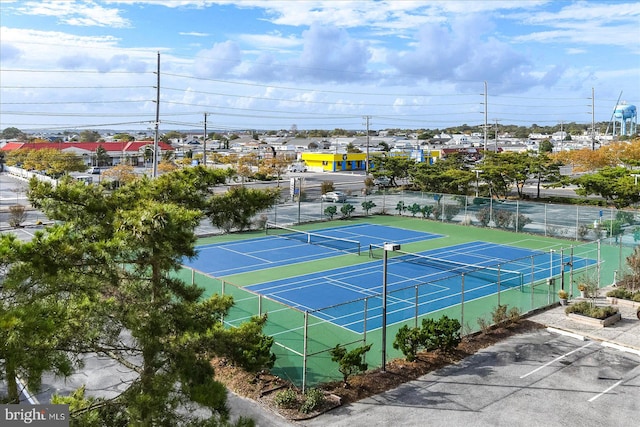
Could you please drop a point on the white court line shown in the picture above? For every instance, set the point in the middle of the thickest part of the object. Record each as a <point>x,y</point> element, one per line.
<point>266,261</point>
<point>556,359</point>
<point>606,391</point>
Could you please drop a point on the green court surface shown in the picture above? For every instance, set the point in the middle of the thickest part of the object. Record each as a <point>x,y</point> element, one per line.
<point>303,340</point>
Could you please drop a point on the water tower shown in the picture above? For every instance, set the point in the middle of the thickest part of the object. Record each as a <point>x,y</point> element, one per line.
<point>627,116</point>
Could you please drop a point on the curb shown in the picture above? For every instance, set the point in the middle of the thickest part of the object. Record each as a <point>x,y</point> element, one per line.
<point>602,342</point>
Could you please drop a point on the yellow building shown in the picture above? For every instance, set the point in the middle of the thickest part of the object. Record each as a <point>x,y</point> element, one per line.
<point>334,162</point>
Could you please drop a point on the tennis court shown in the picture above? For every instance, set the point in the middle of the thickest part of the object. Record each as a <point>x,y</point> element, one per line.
<point>283,246</point>
<point>322,294</point>
<point>416,283</point>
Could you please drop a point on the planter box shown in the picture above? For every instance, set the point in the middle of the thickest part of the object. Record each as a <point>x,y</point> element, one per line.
<point>601,323</point>
<point>623,302</point>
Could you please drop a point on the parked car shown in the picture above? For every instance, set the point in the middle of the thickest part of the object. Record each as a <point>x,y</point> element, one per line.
<point>297,167</point>
<point>382,181</point>
<point>94,170</point>
<point>334,196</point>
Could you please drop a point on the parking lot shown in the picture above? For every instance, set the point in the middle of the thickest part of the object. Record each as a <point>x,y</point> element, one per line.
<point>536,379</point>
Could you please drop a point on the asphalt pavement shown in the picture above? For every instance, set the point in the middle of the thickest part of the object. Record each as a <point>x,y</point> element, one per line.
<point>579,374</point>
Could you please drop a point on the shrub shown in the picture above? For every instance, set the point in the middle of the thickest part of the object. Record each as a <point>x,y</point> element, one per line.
<point>523,220</point>
<point>414,209</point>
<point>326,187</point>
<point>313,400</point>
<point>331,211</point>
<point>586,309</point>
<point>484,325</point>
<point>450,211</point>
<point>408,341</point>
<point>426,211</point>
<point>367,206</point>
<point>437,211</point>
<point>349,362</point>
<point>483,216</point>
<point>286,399</point>
<point>502,218</point>
<point>346,210</point>
<point>499,314</point>
<point>514,315</point>
<point>623,293</point>
<point>583,230</point>
<point>442,334</point>
<point>17,215</point>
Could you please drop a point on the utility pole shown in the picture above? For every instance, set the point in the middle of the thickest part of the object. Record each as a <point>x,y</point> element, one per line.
<point>486,111</point>
<point>366,164</point>
<point>204,155</point>
<point>155,137</point>
<point>593,120</point>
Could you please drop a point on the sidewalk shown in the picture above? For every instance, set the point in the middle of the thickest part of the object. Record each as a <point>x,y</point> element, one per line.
<point>624,334</point>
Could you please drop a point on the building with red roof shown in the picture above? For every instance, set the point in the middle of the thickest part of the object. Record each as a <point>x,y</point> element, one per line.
<point>118,152</point>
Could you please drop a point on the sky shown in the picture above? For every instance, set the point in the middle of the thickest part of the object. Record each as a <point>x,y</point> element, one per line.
<point>282,65</point>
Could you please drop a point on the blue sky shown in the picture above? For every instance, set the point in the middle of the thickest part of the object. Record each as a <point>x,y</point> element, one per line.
<point>315,64</point>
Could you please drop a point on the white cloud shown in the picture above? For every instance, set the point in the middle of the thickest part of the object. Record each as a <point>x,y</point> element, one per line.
<point>77,13</point>
<point>9,52</point>
<point>329,53</point>
<point>218,61</point>
<point>194,34</point>
<point>274,42</point>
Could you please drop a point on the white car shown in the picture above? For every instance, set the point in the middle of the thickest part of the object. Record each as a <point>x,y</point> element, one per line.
<point>382,181</point>
<point>297,168</point>
<point>334,196</point>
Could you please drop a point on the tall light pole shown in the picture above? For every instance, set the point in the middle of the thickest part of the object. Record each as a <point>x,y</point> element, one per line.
<point>366,164</point>
<point>386,248</point>
<point>204,142</point>
<point>486,110</point>
<point>593,120</point>
<point>478,172</point>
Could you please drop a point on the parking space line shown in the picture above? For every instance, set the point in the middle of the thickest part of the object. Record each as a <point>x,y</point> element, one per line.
<point>556,359</point>
<point>606,391</point>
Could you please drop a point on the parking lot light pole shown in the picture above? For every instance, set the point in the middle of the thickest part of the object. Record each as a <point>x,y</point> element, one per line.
<point>478,172</point>
<point>386,248</point>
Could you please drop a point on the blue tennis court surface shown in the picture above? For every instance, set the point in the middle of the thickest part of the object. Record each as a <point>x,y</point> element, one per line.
<point>346,296</point>
<point>229,258</point>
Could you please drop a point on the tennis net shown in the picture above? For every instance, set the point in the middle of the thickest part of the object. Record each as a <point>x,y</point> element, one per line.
<point>493,274</point>
<point>347,245</point>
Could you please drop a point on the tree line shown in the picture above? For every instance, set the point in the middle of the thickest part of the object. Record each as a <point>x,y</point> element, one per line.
<point>102,280</point>
<point>607,172</point>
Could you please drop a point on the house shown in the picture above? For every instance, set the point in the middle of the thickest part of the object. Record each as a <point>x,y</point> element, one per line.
<point>132,153</point>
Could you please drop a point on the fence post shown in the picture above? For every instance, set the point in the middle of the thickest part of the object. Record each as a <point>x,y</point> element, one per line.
<point>532,283</point>
<point>499,284</point>
<point>598,264</point>
<point>577,220</point>
<point>364,321</point>
<point>304,352</point>
<point>417,308</point>
<point>462,300</point>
